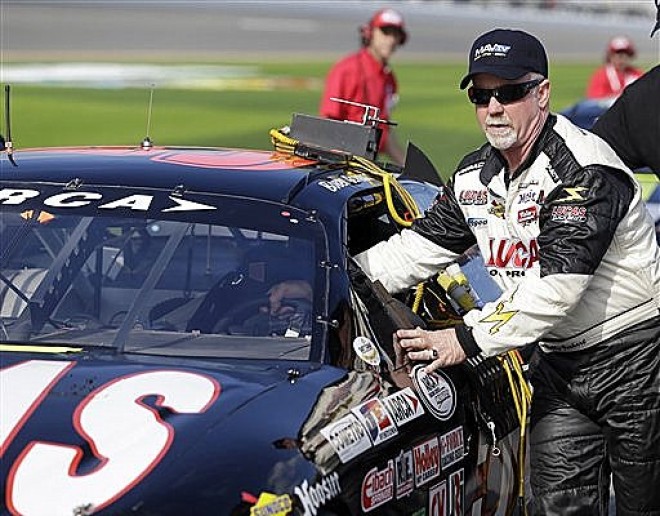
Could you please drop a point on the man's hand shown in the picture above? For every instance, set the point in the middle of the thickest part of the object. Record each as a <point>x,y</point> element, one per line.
<point>292,289</point>
<point>441,347</point>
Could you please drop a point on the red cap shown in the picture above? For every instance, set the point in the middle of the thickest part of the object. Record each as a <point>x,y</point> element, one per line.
<point>389,18</point>
<point>621,44</point>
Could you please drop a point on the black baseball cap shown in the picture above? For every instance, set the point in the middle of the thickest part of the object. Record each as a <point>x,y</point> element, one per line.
<point>506,53</point>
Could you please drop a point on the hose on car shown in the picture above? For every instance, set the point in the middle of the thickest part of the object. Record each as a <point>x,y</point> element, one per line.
<point>358,164</point>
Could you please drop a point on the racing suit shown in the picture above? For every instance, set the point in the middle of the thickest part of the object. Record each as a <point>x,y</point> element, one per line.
<point>570,243</point>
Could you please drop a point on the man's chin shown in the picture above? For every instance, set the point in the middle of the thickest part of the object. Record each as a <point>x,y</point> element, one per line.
<point>501,142</point>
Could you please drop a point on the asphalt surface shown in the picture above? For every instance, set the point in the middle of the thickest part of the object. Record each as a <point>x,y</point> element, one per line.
<point>216,30</point>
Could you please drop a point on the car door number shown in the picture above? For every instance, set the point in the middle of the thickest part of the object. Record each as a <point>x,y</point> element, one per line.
<point>128,437</point>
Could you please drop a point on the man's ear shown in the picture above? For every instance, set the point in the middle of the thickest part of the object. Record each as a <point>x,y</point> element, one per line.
<point>544,94</point>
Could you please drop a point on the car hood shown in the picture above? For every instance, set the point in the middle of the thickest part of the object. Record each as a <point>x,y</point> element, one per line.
<point>146,434</point>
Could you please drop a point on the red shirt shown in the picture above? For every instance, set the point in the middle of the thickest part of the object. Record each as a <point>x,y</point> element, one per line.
<point>359,77</point>
<point>608,82</point>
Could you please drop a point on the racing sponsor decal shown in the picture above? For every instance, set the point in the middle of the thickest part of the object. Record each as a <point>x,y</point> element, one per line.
<point>476,222</point>
<point>122,463</point>
<point>569,214</point>
<point>470,168</point>
<point>573,194</point>
<point>318,494</point>
<point>438,499</point>
<point>552,173</point>
<point>366,350</point>
<point>436,392</point>
<point>269,504</point>
<point>473,197</point>
<point>403,406</point>
<point>500,317</point>
<point>348,437</point>
<point>456,493</point>
<point>377,487</point>
<point>404,479</point>
<point>491,50</point>
<point>531,196</point>
<point>505,253</point>
<point>451,447</point>
<point>377,420</point>
<point>339,183</point>
<point>527,216</point>
<point>496,208</point>
<point>426,460</point>
<point>526,184</point>
<point>78,199</point>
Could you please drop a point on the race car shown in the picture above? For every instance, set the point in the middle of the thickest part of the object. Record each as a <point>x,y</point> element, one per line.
<point>144,369</point>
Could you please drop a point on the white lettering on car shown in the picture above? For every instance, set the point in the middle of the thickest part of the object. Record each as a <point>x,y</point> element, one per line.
<point>68,200</point>
<point>16,197</point>
<point>127,436</point>
<point>184,205</point>
<point>28,383</point>
<point>132,202</point>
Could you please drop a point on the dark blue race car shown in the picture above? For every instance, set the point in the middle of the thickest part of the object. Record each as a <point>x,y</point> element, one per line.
<point>144,372</point>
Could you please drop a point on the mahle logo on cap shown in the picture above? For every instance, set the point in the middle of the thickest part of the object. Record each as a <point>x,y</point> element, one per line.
<point>491,50</point>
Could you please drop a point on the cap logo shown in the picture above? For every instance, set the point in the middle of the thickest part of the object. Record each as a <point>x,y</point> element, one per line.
<point>491,50</point>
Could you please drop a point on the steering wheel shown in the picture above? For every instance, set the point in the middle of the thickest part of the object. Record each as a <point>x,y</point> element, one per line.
<point>253,318</point>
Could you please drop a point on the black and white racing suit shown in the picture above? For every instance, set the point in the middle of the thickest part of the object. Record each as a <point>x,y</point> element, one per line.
<point>573,249</point>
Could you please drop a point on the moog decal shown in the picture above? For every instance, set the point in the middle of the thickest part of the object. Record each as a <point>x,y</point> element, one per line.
<point>436,392</point>
<point>103,419</point>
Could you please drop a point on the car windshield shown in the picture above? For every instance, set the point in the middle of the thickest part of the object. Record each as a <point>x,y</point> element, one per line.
<point>173,286</point>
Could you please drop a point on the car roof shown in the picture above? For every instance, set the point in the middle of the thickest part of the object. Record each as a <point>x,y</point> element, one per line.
<point>262,174</point>
<point>259,174</point>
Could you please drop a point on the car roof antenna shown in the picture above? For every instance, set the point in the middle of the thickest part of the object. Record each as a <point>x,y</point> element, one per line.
<point>6,144</point>
<point>147,144</point>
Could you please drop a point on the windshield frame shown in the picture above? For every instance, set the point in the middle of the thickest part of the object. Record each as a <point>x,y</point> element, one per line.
<point>94,203</point>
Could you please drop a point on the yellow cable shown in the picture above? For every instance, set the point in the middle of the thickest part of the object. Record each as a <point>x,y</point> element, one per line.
<point>419,293</point>
<point>522,399</point>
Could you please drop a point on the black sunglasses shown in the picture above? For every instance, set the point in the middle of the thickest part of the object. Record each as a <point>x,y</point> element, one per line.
<point>504,94</point>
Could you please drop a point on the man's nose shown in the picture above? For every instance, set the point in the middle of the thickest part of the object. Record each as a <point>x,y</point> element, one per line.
<point>494,105</point>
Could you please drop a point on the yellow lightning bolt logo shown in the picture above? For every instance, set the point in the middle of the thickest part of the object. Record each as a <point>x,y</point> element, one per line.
<point>573,194</point>
<point>500,317</point>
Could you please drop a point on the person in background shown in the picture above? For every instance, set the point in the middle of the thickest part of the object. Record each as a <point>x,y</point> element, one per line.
<point>365,77</point>
<point>565,234</point>
<point>632,124</point>
<point>618,72</point>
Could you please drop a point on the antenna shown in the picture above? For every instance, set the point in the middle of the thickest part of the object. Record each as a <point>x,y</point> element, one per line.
<point>146,143</point>
<point>371,113</point>
<point>7,144</point>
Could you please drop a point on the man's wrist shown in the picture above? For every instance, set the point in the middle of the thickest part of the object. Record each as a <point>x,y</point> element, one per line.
<point>466,340</point>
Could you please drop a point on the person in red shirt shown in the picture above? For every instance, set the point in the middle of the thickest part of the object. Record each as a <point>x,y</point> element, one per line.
<point>610,79</point>
<point>365,77</point>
